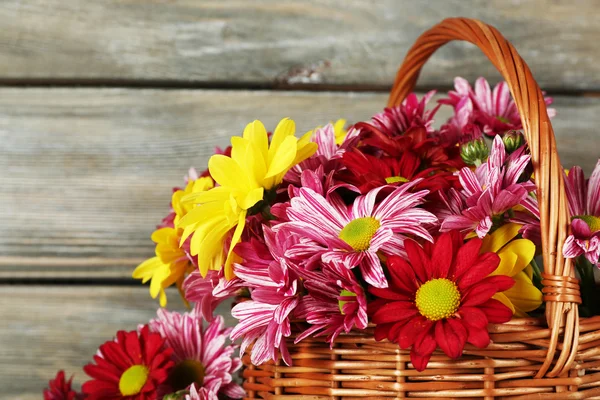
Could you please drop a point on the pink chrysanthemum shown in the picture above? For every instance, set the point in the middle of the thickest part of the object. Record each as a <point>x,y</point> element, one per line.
<point>335,303</point>
<point>200,394</point>
<point>488,192</point>
<point>350,237</point>
<point>265,320</point>
<point>584,203</point>
<point>494,111</point>
<point>200,355</point>
<point>209,291</point>
<point>412,113</point>
<point>59,388</point>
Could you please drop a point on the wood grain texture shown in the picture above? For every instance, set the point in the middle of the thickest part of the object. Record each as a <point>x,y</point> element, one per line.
<point>89,172</point>
<point>47,328</point>
<point>273,42</point>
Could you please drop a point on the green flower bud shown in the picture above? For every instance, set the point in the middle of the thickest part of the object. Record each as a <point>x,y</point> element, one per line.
<point>513,140</point>
<point>475,152</point>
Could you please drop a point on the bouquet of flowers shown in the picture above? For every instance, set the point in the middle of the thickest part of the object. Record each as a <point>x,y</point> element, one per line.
<point>425,234</point>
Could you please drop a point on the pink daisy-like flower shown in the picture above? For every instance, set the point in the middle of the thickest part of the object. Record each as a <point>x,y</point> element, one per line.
<point>210,291</point>
<point>493,110</point>
<point>584,203</point>
<point>353,236</point>
<point>200,394</point>
<point>265,320</point>
<point>488,192</point>
<point>200,355</point>
<point>412,113</point>
<point>335,303</point>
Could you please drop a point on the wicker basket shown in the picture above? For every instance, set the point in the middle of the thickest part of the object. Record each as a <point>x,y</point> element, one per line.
<point>557,357</point>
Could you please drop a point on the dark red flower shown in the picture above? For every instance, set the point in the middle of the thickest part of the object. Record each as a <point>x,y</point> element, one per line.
<point>409,127</point>
<point>60,389</point>
<point>368,172</point>
<point>441,297</point>
<point>130,367</point>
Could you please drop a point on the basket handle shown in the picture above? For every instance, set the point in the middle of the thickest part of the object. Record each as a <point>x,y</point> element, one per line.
<point>561,291</point>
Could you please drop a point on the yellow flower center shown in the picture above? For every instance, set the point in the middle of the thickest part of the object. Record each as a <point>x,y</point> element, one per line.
<point>359,232</point>
<point>395,179</point>
<point>133,380</point>
<point>341,303</point>
<point>437,299</point>
<point>185,373</point>
<point>591,221</point>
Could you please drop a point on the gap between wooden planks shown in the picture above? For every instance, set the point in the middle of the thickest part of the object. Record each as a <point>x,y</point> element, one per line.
<point>89,172</point>
<point>47,328</point>
<point>273,43</point>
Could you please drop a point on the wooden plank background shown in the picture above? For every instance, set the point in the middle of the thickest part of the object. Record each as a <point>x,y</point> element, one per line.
<point>104,105</point>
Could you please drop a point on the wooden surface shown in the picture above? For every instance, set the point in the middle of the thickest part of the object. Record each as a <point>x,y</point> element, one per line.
<point>47,328</point>
<point>105,104</point>
<point>274,42</point>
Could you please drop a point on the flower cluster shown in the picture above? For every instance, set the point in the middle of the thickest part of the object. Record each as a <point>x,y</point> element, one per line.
<point>428,234</point>
<point>172,357</point>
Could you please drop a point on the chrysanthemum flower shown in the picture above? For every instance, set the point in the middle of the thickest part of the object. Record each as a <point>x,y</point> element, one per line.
<point>335,303</point>
<point>488,192</point>
<point>209,291</point>
<point>60,389</point>
<point>412,113</point>
<point>354,237</point>
<point>441,296</point>
<point>493,110</point>
<point>254,168</point>
<point>515,259</point>
<point>584,203</point>
<point>170,265</point>
<point>131,367</point>
<point>200,355</point>
<point>264,321</point>
<point>368,172</point>
<point>200,394</point>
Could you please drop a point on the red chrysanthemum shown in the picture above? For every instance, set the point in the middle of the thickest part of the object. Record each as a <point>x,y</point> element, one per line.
<point>60,389</point>
<point>130,367</point>
<point>441,297</point>
<point>368,172</point>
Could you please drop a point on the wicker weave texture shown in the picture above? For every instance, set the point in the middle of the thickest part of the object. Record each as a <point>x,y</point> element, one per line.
<point>557,357</point>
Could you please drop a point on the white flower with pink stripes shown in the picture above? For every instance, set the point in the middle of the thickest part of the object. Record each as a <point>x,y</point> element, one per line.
<point>355,236</point>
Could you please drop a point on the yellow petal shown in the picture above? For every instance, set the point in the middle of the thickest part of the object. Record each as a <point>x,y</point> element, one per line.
<point>162,235</point>
<point>284,157</point>
<point>501,297</point>
<point>523,249</point>
<point>247,154</point>
<point>252,198</point>
<point>256,133</point>
<point>218,194</point>
<point>146,269</point>
<point>524,295</point>
<point>227,172</point>
<point>495,241</point>
<point>159,276</point>
<point>305,152</point>
<point>211,244</point>
<point>284,129</point>
<point>163,298</point>
<point>507,263</point>
<point>234,240</point>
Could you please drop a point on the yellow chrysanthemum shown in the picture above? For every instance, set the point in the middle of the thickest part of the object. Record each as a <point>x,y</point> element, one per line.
<point>255,166</point>
<point>515,259</point>
<point>168,267</point>
<point>180,207</point>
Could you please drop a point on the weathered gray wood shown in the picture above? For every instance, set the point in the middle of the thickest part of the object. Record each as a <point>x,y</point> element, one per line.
<point>272,42</point>
<point>48,328</point>
<point>87,173</point>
